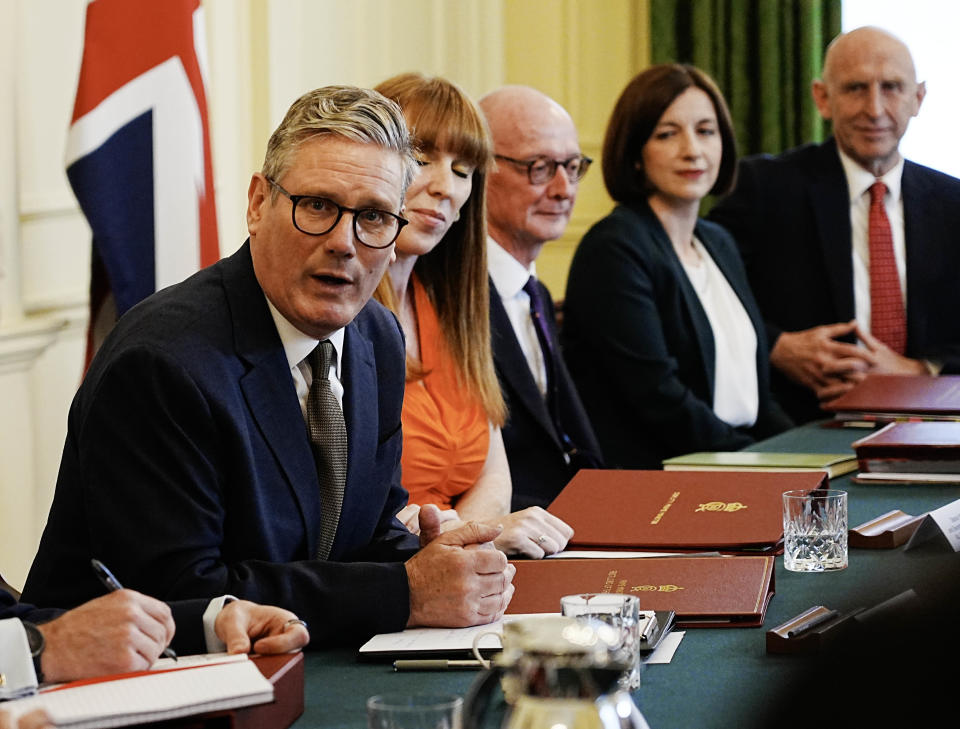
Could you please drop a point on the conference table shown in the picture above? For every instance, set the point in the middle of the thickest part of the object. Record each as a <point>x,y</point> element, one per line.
<point>718,677</point>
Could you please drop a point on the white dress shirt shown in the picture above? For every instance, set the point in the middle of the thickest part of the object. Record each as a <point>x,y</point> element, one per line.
<point>859,181</point>
<point>736,398</point>
<point>509,277</point>
<point>297,346</point>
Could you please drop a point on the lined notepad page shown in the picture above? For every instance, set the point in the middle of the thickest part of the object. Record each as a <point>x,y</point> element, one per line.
<point>153,697</point>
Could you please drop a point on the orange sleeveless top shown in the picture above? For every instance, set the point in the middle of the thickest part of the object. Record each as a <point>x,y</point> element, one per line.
<point>446,432</point>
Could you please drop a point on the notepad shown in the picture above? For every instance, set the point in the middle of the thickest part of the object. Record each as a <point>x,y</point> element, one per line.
<point>150,696</point>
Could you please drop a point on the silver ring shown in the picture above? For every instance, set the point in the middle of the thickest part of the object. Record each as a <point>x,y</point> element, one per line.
<point>295,621</point>
<point>541,539</point>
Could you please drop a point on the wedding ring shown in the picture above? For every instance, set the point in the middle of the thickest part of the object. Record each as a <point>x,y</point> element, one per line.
<point>541,539</point>
<point>295,621</point>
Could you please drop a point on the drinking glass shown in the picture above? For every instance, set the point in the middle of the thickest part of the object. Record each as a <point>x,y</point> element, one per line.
<point>623,613</point>
<point>415,711</point>
<point>815,530</point>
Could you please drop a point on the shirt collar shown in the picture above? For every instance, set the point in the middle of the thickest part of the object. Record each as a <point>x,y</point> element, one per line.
<point>297,345</point>
<point>508,274</point>
<point>859,180</point>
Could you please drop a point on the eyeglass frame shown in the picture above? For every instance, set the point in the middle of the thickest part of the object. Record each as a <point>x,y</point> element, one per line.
<point>585,163</point>
<point>295,199</point>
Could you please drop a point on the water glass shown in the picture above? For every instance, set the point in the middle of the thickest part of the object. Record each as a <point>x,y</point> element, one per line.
<point>415,711</point>
<point>815,530</point>
<point>623,613</point>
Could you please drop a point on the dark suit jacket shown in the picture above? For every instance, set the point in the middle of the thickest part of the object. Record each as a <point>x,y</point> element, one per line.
<point>790,216</point>
<point>640,347</point>
<point>188,615</point>
<point>187,467</point>
<point>537,466</point>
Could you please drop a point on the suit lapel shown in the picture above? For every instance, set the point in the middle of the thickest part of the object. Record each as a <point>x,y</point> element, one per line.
<point>829,202</point>
<point>701,325</point>
<point>512,367</point>
<point>268,388</point>
<point>922,247</point>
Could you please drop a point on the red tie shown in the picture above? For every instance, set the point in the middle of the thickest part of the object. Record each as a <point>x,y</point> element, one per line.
<point>888,322</point>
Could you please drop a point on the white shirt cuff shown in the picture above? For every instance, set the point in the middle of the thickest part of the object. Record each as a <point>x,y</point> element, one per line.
<point>16,664</point>
<point>214,644</point>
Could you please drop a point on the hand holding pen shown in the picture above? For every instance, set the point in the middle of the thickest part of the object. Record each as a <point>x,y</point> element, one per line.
<point>113,584</point>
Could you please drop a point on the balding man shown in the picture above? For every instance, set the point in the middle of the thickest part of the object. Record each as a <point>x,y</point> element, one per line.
<point>834,257</point>
<point>530,196</point>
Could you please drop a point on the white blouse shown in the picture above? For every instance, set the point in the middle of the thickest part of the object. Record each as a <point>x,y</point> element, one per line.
<point>735,395</point>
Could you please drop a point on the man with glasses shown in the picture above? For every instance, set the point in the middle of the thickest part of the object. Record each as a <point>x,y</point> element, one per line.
<point>530,196</point>
<point>239,433</point>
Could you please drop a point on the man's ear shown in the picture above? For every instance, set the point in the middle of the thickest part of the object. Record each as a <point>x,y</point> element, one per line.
<point>258,195</point>
<point>921,92</point>
<point>821,97</point>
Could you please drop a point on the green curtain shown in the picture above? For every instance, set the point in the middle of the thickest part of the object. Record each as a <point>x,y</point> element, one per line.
<point>764,54</point>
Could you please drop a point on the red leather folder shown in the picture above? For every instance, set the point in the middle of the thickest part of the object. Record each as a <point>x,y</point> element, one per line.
<point>917,396</point>
<point>679,510</point>
<point>702,591</point>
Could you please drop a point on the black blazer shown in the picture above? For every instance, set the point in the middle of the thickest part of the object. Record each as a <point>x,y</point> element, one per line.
<point>537,466</point>
<point>187,466</point>
<point>790,215</point>
<point>640,346</point>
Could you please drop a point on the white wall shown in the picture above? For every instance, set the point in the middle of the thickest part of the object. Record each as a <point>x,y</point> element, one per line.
<point>929,28</point>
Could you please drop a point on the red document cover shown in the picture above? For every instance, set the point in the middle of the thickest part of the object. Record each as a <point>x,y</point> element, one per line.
<point>919,395</point>
<point>679,510</point>
<point>929,447</point>
<point>703,591</point>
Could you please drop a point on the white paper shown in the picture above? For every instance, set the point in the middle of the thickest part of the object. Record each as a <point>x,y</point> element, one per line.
<point>945,520</point>
<point>440,639</point>
<point>152,697</point>
<point>668,646</point>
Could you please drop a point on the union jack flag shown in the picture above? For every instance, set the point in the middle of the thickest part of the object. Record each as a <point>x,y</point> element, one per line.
<point>138,152</point>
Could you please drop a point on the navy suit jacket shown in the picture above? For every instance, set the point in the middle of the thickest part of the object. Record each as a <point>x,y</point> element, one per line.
<point>790,215</point>
<point>640,347</point>
<point>538,469</point>
<point>187,467</point>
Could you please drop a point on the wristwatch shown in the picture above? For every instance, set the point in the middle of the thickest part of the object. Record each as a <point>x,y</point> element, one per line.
<point>37,643</point>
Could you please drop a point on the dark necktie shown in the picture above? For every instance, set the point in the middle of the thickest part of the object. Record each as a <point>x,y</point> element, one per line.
<point>888,321</point>
<point>538,313</point>
<point>328,434</point>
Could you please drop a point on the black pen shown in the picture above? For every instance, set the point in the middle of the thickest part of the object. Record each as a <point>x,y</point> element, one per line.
<point>113,584</point>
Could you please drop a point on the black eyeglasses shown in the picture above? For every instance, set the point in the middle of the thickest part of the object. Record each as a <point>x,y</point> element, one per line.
<point>319,215</point>
<point>542,169</point>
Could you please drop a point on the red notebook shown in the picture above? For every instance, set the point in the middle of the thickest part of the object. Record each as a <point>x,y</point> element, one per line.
<point>703,591</point>
<point>679,510</point>
<point>920,397</point>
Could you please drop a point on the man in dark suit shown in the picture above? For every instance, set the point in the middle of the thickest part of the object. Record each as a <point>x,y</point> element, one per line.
<point>802,221</point>
<point>530,196</point>
<point>189,466</point>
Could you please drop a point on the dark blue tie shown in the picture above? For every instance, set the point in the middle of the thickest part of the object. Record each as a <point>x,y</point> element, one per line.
<point>539,314</point>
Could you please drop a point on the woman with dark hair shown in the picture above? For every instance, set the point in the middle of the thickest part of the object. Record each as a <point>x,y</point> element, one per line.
<point>661,332</point>
<point>453,453</point>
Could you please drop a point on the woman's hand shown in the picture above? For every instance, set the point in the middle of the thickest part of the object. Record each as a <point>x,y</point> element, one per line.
<point>532,532</point>
<point>409,516</point>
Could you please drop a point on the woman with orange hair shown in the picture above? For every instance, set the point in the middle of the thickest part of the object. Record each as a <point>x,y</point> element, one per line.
<point>453,454</point>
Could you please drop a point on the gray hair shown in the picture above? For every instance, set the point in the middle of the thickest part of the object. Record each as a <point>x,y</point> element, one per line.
<point>360,115</point>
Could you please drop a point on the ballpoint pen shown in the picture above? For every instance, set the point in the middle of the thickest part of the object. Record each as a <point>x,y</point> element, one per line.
<point>113,584</point>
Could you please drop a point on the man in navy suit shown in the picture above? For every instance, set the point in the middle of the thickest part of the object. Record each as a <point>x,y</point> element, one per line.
<point>530,196</point>
<point>802,222</point>
<point>188,466</point>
